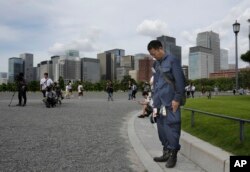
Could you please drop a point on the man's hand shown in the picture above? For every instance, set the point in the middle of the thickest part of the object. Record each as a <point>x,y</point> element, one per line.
<point>175,105</point>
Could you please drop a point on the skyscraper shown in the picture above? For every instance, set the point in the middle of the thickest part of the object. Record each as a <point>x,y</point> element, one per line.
<point>90,69</point>
<point>201,62</point>
<point>118,53</point>
<point>210,40</point>
<point>15,67</point>
<point>170,47</point>
<point>3,78</point>
<point>27,66</point>
<point>107,65</point>
<point>69,68</point>
<point>46,67</point>
<point>224,59</point>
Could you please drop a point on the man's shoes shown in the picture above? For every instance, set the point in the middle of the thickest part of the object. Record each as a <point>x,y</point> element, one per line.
<point>18,104</point>
<point>164,157</point>
<point>141,116</point>
<point>24,104</point>
<point>172,159</point>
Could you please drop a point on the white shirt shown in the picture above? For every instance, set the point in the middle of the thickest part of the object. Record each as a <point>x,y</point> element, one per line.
<point>45,83</point>
<point>80,88</point>
<point>67,88</point>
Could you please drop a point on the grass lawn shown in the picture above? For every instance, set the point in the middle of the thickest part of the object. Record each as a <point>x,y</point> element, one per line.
<point>217,131</point>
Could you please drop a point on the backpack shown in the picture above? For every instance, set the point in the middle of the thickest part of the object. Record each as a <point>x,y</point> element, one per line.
<point>170,81</point>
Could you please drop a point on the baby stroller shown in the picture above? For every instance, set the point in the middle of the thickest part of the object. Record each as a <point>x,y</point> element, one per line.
<point>51,98</point>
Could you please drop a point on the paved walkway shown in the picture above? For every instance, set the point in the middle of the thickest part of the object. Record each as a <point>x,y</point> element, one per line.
<point>144,138</point>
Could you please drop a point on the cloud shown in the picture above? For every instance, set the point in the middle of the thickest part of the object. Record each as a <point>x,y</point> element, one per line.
<point>83,43</point>
<point>8,34</point>
<point>224,28</point>
<point>152,28</point>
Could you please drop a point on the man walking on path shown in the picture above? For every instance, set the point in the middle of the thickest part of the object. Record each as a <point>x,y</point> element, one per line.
<point>44,83</point>
<point>169,88</point>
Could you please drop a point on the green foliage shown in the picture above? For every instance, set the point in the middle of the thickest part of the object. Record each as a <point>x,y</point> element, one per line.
<point>246,57</point>
<point>34,86</point>
<point>124,82</point>
<point>3,87</point>
<point>61,82</point>
<point>220,132</point>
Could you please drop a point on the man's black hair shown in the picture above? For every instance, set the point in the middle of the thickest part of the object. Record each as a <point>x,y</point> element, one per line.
<point>155,44</point>
<point>46,73</point>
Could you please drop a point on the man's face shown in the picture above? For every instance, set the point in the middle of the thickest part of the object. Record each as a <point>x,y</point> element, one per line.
<point>157,53</point>
<point>46,76</point>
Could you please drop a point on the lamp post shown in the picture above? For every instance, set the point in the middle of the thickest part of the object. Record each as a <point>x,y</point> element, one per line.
<point>236,29</point>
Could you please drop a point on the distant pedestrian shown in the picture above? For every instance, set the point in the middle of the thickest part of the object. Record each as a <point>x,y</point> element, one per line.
<point>67,93</point>
<point>203,90</point>
<point>80,90</point>
<point>44,83</point>
<point>188,90</point>
<point>209,95</point>
<point>70,88</point>
<point>234,91</point>
<point>134,91</point>
<point>129,90</point>
<point>22,89</point>
<point>110,90</point>
<point>192,89</point>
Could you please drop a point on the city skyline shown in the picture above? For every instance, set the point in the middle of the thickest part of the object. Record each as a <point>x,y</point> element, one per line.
<point>46,28</point>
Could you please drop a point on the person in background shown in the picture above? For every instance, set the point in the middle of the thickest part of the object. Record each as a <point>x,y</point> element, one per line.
<point>134,91</point>
<point>80,90</point>
<point>22,89</point>
<point>109,89</point>
<point>146,108</point>
<point>192,89</point>
<point>44,83</point>
<point>129,90</point>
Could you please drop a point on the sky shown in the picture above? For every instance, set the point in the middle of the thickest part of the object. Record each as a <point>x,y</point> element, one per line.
<point>49,27</point>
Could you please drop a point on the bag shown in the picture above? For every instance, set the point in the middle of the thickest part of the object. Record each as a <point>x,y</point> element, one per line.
<point>171,82</point>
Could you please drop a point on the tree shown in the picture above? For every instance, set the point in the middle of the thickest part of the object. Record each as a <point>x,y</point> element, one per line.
<point>33,86</point>
<point>124,82</point>
<point>61,82</point>
<point>246,57</point>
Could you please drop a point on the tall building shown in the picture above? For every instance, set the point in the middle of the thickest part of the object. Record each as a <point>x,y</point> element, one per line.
<point>3,78</point>
<point>210,40</point>
<point>27,66</point>
<point>127,61</point>
<point>45,67</point>
<point>15,67</point>
<point>201,62</point>
<point>169,45</point>
<point>138,57</point>
<point>107,65</point>
<point>38,74</point>
<point>55,68</point>
<point>224,59</point>
<point>72,53</point>
<point>90,69</point>
<point>118,53</point>
<point>69,68</point>
<point>145,72</point>
<point>127,64</point>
